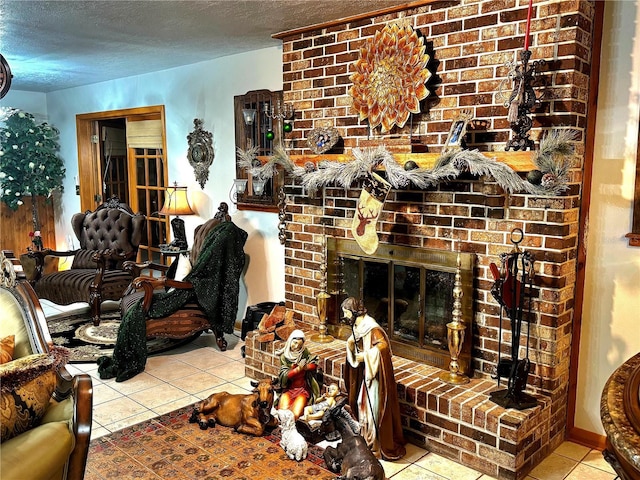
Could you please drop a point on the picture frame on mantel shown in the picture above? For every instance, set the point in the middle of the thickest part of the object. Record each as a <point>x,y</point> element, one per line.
<point>457,132</point>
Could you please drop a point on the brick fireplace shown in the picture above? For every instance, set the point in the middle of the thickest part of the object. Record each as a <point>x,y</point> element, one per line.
<point>469,42</point>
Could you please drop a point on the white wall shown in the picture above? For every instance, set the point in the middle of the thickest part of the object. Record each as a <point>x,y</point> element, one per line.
<point>205,91</point>
<point>34,103</point>
<point>611,318</point>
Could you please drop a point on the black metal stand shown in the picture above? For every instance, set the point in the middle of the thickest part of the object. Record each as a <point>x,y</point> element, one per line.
<point>524,97</point>
<point>513,285</point>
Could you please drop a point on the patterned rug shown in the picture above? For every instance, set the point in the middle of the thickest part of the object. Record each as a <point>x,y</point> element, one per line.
<point>170,447</point>
<point>88,342</point>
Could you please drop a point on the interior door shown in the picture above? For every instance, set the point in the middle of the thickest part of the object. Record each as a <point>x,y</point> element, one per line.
<point>121,152</point>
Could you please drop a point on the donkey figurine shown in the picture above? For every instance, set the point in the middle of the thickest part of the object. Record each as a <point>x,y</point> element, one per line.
<point>352,458</point>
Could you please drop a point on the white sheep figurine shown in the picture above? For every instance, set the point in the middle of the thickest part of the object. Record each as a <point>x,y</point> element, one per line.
<point>292,442</point>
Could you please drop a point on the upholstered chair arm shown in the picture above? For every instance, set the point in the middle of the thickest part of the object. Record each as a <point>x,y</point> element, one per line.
<point>149,284</point>
<point>82,418</point>
<point>40,255</point>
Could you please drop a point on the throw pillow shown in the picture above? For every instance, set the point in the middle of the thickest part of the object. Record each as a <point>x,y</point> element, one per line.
<point>183,269</point>
<point>26,386</point>
<point>6,348</point>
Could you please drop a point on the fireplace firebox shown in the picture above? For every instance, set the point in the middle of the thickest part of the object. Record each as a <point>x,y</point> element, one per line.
<point>408,290</point>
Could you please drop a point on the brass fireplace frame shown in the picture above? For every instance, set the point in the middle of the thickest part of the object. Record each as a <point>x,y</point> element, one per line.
<point>339,249</point>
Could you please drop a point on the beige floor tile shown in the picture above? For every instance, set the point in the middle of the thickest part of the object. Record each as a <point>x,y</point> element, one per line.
<point>142,381</point>
<point>587,472</point>
<point>595,459</point>
<point>159,395</point>
<point>99,432</point>
<point>414,453</point>
<point>231,387</point>
<point>391,468</point>
<point>175,405</point>
<point>554,467</point>
<point>171,370</point>
<point>197,382</point>
<point>133,420</point>
<point>204,358</point>
<point>229,371</point>
<point>414,472</point>
<point>116,410</point>
<point>572,450</point>
<point>104,393</point>
<point>244,382</point>
<point>447,468</point>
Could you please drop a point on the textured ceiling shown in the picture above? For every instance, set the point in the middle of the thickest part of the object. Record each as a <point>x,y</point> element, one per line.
<point>52,45</point>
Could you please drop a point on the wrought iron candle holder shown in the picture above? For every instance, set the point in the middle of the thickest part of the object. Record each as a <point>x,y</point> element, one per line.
<point>521,101</point>
<point>455,334</point>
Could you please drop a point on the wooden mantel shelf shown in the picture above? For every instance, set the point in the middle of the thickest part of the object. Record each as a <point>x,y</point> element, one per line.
<point>518,161</point>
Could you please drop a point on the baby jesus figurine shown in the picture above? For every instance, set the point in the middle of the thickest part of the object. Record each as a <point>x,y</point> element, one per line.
<point>316,410</point>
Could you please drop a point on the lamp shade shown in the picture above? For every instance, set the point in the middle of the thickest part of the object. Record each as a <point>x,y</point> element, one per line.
<point>176,202</point>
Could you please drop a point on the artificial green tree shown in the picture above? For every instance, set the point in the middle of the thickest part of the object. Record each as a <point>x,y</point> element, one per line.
<point>30,165</point>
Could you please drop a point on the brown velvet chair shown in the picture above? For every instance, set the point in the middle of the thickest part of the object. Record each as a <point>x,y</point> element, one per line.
<point>108,236</point>
<point>56,447</point>
<point>190,320</point>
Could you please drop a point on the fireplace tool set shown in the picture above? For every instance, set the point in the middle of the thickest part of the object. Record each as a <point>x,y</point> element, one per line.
<point>513,291</point>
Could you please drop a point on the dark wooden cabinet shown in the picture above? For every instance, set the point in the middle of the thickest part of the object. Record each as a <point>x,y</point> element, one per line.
<point>262,131</point>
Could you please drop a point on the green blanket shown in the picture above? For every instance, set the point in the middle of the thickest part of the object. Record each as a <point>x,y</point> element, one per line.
<point>215,278</point>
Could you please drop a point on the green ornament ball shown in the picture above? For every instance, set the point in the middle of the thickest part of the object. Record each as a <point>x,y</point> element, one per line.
<point>270,135</point>
<point>287,127</point>
<point>534,177</point>
<point>410,165</point>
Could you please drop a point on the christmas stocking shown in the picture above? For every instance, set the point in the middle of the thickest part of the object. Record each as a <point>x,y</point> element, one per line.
<point>374,192</point>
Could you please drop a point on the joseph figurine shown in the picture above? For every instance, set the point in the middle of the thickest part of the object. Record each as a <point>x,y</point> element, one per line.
<point>370,383</point>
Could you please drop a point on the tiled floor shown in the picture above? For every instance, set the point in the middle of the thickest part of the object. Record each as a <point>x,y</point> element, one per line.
<point>192,372</point>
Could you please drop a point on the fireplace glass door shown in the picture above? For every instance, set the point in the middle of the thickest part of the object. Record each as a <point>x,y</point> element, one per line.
<point>408,291</point>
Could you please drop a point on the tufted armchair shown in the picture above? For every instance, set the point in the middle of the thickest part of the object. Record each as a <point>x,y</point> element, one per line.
<point>46,413</point>
<point>108,236</point>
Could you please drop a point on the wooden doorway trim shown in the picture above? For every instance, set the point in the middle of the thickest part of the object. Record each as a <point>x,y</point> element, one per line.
<point>573,433</point>
<point>88,155</point>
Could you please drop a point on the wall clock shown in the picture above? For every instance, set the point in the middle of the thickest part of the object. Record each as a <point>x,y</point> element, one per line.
<point>200,153</point>
<point>5,76</point>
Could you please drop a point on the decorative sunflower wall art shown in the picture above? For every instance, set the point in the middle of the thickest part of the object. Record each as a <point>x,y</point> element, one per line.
<point>390,76</point>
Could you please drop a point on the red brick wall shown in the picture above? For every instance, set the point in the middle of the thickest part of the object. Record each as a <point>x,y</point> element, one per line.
<point>470,43</point>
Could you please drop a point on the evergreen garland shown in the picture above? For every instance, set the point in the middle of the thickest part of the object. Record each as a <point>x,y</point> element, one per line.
<point>554,159</point>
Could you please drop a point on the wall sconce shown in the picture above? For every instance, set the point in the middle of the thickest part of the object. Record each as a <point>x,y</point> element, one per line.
<point>176,203</point>
<point>258,186</point>
<point>249,116</point>
<point>238,188</point>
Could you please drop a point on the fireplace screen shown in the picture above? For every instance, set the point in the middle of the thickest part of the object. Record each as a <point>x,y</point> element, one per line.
<point>409,291</point>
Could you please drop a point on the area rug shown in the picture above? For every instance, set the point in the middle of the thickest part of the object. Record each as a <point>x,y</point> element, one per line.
<point>170,447</point>
<point>88,342</point>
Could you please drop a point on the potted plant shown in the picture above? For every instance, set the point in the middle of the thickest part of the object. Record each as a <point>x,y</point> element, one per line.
<point>30,165</point>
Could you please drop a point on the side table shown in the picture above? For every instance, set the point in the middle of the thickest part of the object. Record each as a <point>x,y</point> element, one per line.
<point>166,254</point>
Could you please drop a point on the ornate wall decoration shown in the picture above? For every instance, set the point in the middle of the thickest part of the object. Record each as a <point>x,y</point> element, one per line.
<point>390,76</point>
<point>200,152</point>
